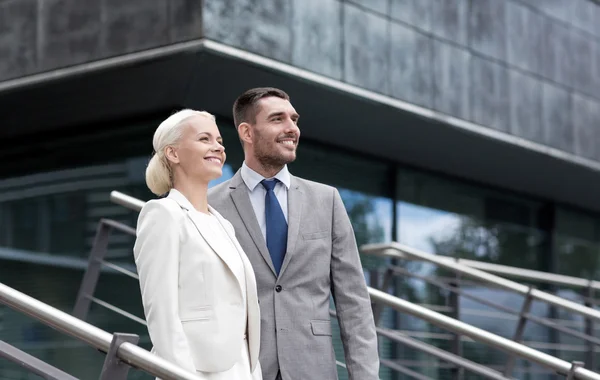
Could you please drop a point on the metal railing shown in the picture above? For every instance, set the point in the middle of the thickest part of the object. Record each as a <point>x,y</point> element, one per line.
<point>121,349</point>
<point>530,294</point>
<point>513,348</point>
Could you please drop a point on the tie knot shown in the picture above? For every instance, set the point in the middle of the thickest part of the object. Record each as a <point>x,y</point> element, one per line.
<point>269,184</point>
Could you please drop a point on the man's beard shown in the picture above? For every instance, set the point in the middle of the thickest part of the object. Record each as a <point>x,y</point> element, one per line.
<point>269,160</point>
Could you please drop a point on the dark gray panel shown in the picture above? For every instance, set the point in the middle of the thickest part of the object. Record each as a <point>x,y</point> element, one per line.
<point>489,94</point>
<point>526,107</point>
<point>18,23</point>
<point>556,115</point>
<point>317,30</point>
<point>450,20</point>
<point>487,27</point>
<point>380,6</point>
<point>524,30</point>
<point>411,59</point>
<point>70,31</point>
<point>259,26</point>
<point>586,121</point>
<point>556,62</point>
<point>185,19</point>
<point>135,25</point>
<point>366,48</point>
<point>451,79</point>
<point>580,50</point>
<point>413,12</point>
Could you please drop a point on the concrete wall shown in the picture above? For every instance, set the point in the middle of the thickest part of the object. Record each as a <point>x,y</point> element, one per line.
<point>41,35</point>
<point>526,67</point>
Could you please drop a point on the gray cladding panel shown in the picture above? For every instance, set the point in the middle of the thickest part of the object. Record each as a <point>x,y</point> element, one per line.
<point>489,93</point>
<point>259,26</point>
<point>524,28</point>
<point>18,21</point>
<point>135,25</point>
<point>557,60</point>
<point>411,65</point>
<point>317,31</point>
<point>583,13</point>
<point>185,19</point>
<point>526,107</point>
<point>595,69</point>
<point>450,20</point>
<point>586,121</point>
<point>558,9</point>
<point>580,51</point>
<point>366,48</point>
<point>71,32</point>
<point>556,116</point>
<point>380,6</point>
<point>451,79</point>
<point>414,12</point>
<point>487,28</point>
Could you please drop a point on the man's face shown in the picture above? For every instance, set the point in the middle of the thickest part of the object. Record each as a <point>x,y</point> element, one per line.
<point>275,133</point>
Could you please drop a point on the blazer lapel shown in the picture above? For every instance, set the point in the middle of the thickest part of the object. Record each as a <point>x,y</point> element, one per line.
<point>295,202</point>
<point>251,296</point>
<point>241,199</point>
<point>216,244</point>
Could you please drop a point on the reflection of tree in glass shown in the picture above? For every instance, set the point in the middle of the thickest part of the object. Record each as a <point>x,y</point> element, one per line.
<point>500,243</point>
<point>366,225</point>
<point>488,241</point>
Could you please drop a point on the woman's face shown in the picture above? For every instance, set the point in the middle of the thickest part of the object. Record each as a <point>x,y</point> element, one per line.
<point>200,153</point>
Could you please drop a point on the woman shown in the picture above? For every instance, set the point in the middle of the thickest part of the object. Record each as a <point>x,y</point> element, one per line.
<point>198,287</point>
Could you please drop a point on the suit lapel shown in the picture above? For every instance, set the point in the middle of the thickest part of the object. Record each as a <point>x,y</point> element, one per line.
<point>295,202</point>
<point>241,200</point>
<point>218,246</point>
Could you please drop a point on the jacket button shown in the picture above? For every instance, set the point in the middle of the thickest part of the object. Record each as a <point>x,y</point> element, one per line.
<point>278,288</point>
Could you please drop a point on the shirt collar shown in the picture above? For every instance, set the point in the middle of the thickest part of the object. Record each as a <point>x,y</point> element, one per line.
<point>252,178</point>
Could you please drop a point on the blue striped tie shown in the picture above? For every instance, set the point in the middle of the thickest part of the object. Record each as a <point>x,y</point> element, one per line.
<point>276,225</point>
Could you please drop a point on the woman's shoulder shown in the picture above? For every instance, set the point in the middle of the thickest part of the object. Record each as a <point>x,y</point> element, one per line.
<point>162,208</point>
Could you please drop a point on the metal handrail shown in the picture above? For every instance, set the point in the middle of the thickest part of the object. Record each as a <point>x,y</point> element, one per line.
<point>127,352</point>
<point>558,365</point>
<point>528,275</point>
<point>397,250</point>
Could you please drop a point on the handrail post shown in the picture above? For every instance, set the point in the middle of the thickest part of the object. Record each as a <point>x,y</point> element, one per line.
<point>115,369</point>
<point>589,329</point>
<point>92,273</point>
<point>454,303</point>
<point>378,307</point>
<point>519,331</point>
<point>574,366</point>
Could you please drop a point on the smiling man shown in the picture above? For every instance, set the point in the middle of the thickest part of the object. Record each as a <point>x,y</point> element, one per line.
<point>300,242</point>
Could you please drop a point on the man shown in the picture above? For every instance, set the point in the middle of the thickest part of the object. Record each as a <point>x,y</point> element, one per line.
<point>300,242</point>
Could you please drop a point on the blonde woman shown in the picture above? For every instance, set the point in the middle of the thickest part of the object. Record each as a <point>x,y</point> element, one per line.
<point>198,287</point>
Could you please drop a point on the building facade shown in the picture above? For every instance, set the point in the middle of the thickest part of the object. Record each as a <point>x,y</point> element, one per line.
<point>468,128</point>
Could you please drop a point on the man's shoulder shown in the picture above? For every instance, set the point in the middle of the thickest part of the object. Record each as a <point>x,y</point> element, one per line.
<point>313,186</point>
<point>218,191</point>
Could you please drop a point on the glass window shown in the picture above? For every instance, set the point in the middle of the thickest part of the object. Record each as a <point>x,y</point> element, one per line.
<point>450,218</point>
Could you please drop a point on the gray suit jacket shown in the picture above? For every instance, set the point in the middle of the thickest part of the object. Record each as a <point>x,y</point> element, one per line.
<point>321,260</point>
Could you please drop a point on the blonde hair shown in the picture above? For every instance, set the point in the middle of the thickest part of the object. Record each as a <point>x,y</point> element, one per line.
<point>159,174</point>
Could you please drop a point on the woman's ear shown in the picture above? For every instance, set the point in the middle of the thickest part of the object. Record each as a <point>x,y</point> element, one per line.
<point>171,154</point>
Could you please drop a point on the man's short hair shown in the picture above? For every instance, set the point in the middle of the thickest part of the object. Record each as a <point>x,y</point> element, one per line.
<point>246,108</point>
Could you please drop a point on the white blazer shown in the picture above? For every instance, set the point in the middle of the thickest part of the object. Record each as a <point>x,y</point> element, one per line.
<point>192,299</point>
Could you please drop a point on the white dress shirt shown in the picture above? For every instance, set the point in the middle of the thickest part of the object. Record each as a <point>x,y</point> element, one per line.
<point>258,192</point>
